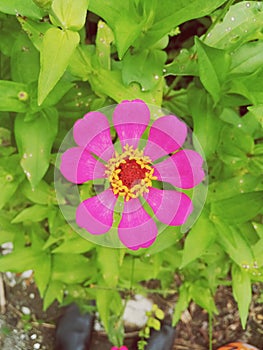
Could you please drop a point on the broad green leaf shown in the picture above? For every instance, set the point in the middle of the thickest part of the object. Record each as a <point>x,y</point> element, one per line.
<point>10,178</point>
<point>80,64</point>
<point>183,64</point>
<point>235,146</point>
<point>8,231</point>
<point>57,49</point>
<point>9,30</point>
<point>104,299</point>
<point>23,8</point>
<point>35,30</point>
<point>55,290</point>
<point>213,68</point>
<point>249,86</point>
<point>110,83</point>
<point>242,23</point>
<point>172,13</point>
<point>240,208</point>
<point>41,194</point>
<point>257,111</point>
<point>233,186</point>
<point>182,303</point>
<point>24,52</point>
<point>144,67</point>
<point>69,14</point>
<point>22,260</point>
<point>34,140</point>
<point>150,23</point>
<point>198,240</point>
<point>248,58</point>
<point>124,20</point>
<point>13,96</point>
<point>77,245</point>
<point>70,268</point>
<point>241,285</point>
<point>207,125</point>
<point>108,260</point>
<point>35,213</point>
<point>234,244</point>
<point>202,296</point>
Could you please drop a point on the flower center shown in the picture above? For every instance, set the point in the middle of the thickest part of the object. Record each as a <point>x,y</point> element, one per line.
<point>129,173</point>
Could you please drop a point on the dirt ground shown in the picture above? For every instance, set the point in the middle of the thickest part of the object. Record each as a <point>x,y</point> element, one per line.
<point>24,326</point>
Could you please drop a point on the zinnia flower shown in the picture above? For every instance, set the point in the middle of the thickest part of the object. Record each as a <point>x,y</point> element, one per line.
<point>132,173</point>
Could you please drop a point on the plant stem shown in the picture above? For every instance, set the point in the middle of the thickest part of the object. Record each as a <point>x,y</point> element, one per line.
<point>210,319</point>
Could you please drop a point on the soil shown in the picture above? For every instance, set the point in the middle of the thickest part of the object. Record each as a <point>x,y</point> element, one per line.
<point>24,326</point>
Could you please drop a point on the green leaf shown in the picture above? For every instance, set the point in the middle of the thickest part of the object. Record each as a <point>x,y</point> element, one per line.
<point>235,146</point>
<point>241,285</point>
<point>171,14</point>
<point>240,208</point>
<point>24,52</point>
<point>248,58</point>
<point>104,39</point>
<point>198,240</point>
<point>234,244</point>
<point>76,245</point>
<point>13,96</point>
<point>233,186</point>
<point>42,274</point>
<point>80,64</point>
<point>10,178</point>
<point>35,30</point>
<point>34,140</point>
<point>144,67</point>
<point>110,83</point>
<point>69,14</point>
<point>257,111</point>
<point>70,268</point>
<point>249,85</point>
<point>108,260</point>
<point>202,296</point>
<point>57,49</point>
<point>55,290</point>
<point>123,19</point>
<point>22,260</point>
<point>25,8</point>
<point>35,213</point>
<point>242,23</point>
<point>207,125</point>
<point>213,68</point>
<point>183,64</point>
<point>182,303</point>
<point>42,193</point>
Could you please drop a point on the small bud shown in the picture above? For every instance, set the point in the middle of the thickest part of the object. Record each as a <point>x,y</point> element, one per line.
<point>22,96</point>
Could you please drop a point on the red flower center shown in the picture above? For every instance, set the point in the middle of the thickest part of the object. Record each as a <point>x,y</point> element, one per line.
<point>131,173</point>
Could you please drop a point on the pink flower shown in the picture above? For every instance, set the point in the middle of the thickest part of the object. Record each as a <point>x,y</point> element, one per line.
<point>131,173</point>
<point>123,347</point>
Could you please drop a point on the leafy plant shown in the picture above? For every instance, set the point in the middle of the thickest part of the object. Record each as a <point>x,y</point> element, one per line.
<point>55,67</point>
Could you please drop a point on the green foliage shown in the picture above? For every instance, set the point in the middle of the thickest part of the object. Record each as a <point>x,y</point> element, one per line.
<point>53,70</point>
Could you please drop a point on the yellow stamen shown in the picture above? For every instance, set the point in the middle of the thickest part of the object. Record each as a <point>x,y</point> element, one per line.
<point>113,173</point>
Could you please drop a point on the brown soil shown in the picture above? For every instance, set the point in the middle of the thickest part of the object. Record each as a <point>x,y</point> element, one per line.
<point>37,330</point>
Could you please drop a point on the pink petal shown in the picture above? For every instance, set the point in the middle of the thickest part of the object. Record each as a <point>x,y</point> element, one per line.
<point>136,229</point>
<point>130,119</point>
<point>78,166</point>
<point>183,169</point>
<point>170,207</point>
<point>93,133</point>
<point>96,214</point>
<point>167,134</point>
